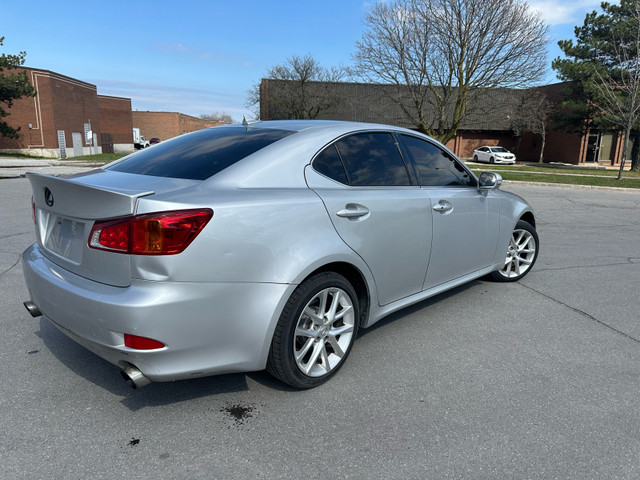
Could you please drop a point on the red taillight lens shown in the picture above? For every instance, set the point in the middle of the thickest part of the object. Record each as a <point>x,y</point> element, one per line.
<point>163,233</point>
<point>33,210</point>
<point>141,343</point>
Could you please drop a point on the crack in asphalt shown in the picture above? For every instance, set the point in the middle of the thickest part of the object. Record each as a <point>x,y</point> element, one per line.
<point>628,261</point>
<point>14,235</point>
<point>582,312</point>
<point>11,267</point>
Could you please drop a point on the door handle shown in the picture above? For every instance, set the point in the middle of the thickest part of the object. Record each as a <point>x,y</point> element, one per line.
<point>353,211</point>
<point>443,206</point>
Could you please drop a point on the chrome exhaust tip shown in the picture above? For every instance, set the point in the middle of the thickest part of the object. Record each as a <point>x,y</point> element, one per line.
<point>33,309</point>
<point>134,377</point>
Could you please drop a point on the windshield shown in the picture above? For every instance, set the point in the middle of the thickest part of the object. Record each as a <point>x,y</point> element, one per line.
<point>499,150</point>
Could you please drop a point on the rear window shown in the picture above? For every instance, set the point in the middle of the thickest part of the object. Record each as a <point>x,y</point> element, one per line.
<point>201,154</point>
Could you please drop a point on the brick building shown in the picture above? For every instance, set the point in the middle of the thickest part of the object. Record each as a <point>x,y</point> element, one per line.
<point>68,118</point>
<point>166,125</point>
<point>65,119</point>
<point>488,122</point>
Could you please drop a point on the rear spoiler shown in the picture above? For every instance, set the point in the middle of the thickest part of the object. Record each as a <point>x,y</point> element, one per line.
<point>64,196</point>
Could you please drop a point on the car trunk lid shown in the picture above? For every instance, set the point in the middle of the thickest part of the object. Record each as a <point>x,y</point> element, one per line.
<point>66,208</point>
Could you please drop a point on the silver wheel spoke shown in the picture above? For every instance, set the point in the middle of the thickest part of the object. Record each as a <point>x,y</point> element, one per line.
<point>303,351</point>
<point>317,350</point>
<point>313,315</point>
<point>343,312</point>
<point>335,332</point>
<point>306,332</point>
<point>337,349</point>
<point>335,303</point>
<point>323,305</point>
<point>325,358</point>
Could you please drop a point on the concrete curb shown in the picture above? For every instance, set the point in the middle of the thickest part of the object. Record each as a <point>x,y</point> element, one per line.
<point>574,187</point>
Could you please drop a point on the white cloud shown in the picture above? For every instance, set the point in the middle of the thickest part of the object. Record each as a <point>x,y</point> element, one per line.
<point>558,12</point>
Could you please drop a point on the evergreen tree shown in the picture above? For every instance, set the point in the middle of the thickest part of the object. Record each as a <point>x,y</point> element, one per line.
<point>12,86</point>
<point>602,64</point>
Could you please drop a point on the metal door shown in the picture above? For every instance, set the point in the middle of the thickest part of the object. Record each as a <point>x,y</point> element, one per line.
<point>106,141</point>
<point>77,143</point>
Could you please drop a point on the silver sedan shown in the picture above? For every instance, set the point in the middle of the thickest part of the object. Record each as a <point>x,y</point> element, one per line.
<point>265,245</point>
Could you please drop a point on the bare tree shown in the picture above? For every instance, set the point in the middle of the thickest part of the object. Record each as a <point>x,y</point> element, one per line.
<point>533,115</point>
<point>541,109</point>
<point>304,92</point>
<point>618,87</point>
<point>222,117</point>
<point>447,53</point>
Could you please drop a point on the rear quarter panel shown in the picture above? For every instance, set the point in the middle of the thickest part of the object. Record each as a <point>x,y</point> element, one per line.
<point>255,235</point>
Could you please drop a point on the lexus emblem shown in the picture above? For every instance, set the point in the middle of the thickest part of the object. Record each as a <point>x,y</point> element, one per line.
<point>48,197</point>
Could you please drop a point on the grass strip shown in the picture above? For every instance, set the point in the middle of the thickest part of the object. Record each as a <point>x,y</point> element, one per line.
<point>555,171</point>
<point>569,179</point>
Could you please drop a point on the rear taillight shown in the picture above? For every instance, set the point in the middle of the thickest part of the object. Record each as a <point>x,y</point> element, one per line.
<point>162,233</point>
<point>33,211</point>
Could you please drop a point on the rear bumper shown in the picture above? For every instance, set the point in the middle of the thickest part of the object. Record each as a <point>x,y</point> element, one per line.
<point>208,328</point>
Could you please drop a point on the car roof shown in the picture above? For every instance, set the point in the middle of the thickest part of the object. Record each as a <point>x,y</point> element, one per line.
<point>335,126</point>
<point>310,136</point>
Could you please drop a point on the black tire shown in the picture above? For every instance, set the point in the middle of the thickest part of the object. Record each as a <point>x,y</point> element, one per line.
<point>286,341</point>
<point>524,239</point>
<point>475,158</point>
<point>492,160</point>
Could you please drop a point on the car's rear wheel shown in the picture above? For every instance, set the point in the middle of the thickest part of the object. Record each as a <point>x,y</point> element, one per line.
<point>315,332</point>
<point>475,158</point>
<point>522,253</point>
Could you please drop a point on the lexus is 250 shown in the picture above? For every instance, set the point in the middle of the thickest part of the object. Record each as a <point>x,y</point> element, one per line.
<point>264,245</point>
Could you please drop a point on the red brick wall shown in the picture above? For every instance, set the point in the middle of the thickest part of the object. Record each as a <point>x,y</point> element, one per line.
<point>28,110</point>
<point>62,103</point>
<point>74,104</point>
<point>166,125</point>
<point>115,118</point>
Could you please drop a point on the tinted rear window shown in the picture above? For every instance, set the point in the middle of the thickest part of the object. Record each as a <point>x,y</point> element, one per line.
<point>201,154</point>
<point>372,159</point>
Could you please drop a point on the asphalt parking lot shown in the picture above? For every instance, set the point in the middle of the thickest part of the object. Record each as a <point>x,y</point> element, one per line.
<point>538,379</point>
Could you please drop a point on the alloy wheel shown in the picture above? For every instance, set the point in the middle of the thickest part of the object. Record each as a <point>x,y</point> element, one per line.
<point>520,254</point>
<point>324,332</point>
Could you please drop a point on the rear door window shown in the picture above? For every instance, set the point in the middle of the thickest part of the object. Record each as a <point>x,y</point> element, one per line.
<point>199,155</point>
<point>372,159</point>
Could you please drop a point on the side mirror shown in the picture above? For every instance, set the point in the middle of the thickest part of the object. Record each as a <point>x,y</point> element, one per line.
<point>489,181</point>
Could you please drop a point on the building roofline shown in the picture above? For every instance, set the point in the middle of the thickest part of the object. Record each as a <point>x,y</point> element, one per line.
<point>395,85</point>
<point>115,98</point>
<point>53,74</point>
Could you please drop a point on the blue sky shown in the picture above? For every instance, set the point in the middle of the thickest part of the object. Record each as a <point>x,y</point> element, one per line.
<point>201,56</point>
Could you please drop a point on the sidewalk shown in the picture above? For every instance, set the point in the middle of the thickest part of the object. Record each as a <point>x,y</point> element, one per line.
<point>11,167</point>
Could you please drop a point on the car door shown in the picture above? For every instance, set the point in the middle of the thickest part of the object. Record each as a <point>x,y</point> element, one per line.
<point>483,155</point>
<point>369,196</point>
<point>465,220</point>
